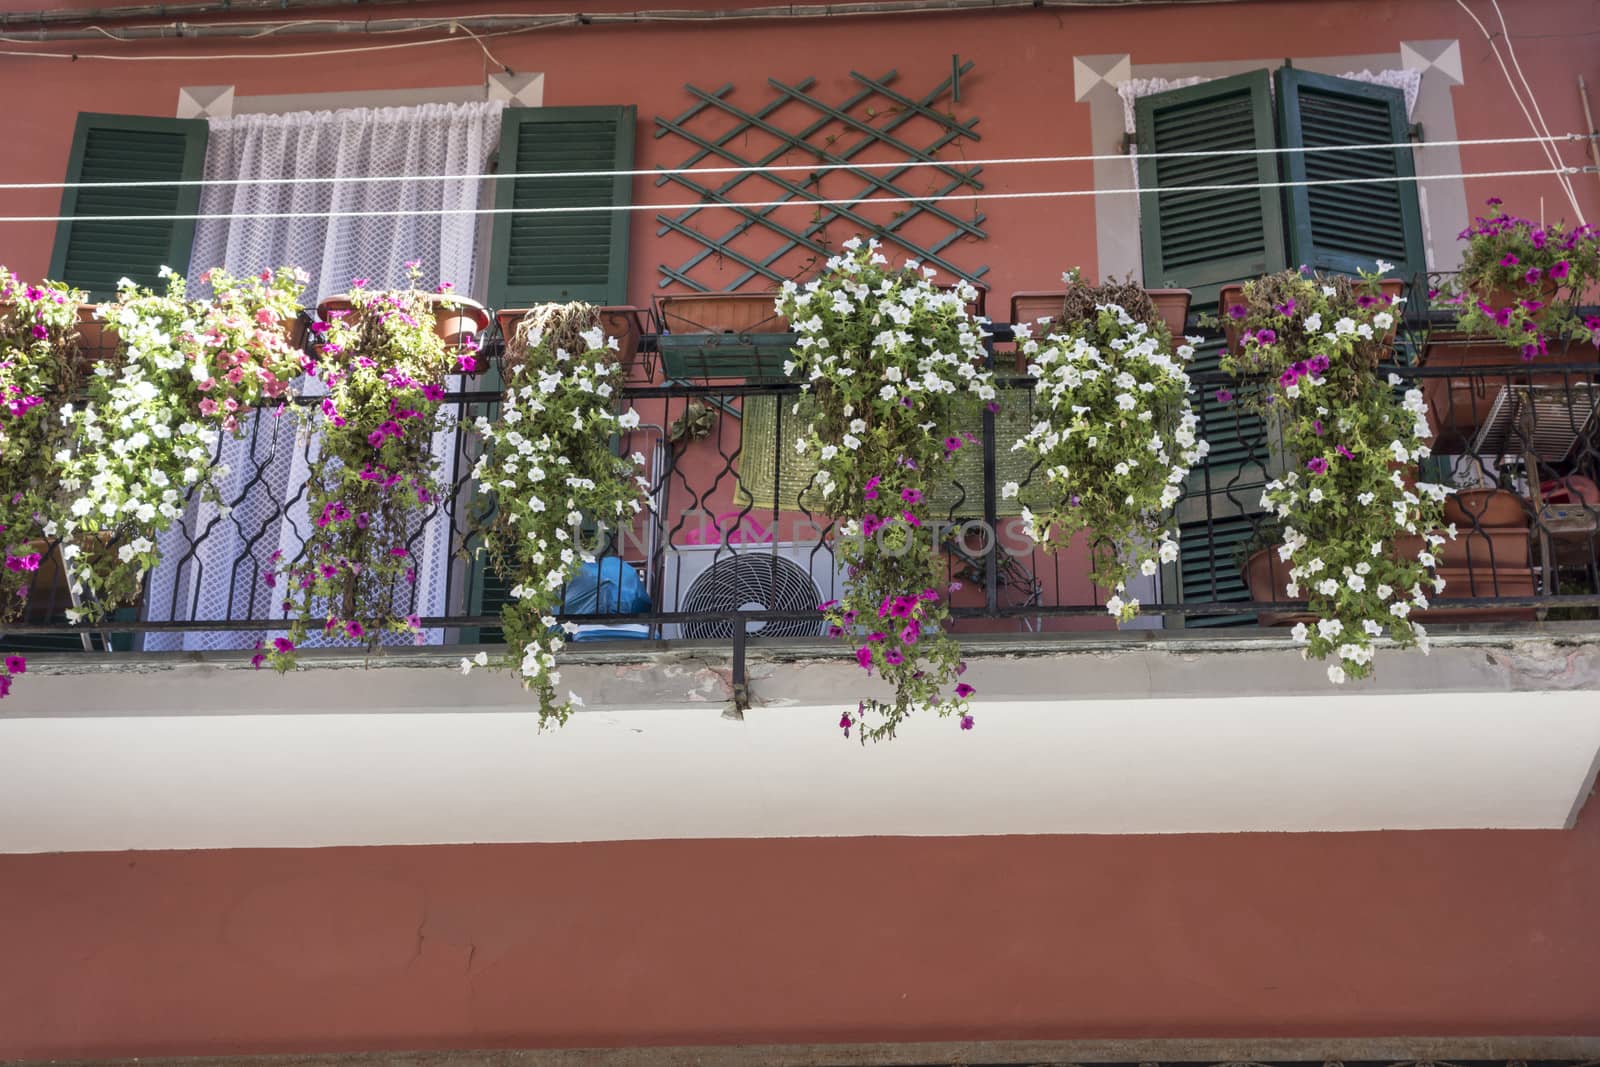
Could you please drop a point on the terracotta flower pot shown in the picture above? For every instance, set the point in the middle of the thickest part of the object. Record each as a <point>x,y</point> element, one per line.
<point>1486,509</point>
<point>1171,304</point>
<point>1268,579</point>
<point>1231,296</point>
<point>621,322</point>
<point>454,325</point>
<point>1458,405</point>
<point>722,313</point>
<point>466,320</point>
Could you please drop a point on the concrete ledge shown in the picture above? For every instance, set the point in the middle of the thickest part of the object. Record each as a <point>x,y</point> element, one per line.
<point>614,676</point>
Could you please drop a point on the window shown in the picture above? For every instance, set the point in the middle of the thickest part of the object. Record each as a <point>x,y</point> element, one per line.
<point>212,563</point>
<point>1209,238</point>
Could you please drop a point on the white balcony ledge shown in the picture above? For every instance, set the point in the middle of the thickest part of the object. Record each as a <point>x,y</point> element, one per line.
<point>1100,734</point>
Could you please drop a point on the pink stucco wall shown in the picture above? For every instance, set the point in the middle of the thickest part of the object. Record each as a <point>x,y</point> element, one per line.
<point>1022,89</point>
<point>800,941</point>
<point>814,940</point>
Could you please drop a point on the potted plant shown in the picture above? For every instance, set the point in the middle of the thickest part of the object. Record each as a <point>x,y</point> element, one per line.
<point>558,483</point>
<point>40,368</point>
<point>145,438</point>
<point>620,324</point>
<point>1317,342</point>
<point>1035,308</point>
<point>1489,551</point>
<point>1266,574</point>
<point>1516,303</point>
<point>373,480</point>
<point>895,367</point>
<point>1114,437</point>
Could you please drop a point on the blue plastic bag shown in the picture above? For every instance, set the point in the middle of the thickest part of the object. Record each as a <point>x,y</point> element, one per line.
<point>607,587</point>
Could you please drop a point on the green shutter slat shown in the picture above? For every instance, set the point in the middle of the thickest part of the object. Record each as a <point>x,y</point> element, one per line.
<point>1207,570</point>
<point>116,148</point>
<point>1346,228</point>
<point>553,256</point>
<point>1237,434</point>
<point>1204,240</point>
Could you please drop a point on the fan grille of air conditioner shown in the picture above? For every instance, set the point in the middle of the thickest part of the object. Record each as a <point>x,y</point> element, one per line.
<point>751,581</point>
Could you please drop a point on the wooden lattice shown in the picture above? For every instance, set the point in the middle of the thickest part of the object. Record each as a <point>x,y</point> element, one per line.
<point>875,124</point>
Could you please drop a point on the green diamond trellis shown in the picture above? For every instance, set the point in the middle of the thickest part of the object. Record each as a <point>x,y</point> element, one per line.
<point>860,128</point>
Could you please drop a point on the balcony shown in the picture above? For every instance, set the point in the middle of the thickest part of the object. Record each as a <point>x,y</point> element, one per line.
<point>715,693</point>
<point>737,550</point>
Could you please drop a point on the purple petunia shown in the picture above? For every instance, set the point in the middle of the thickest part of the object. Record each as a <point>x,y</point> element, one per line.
<point>966,722</point>
<point>1317,465</point>
<point>964,690</point>
<point>1224,397</point>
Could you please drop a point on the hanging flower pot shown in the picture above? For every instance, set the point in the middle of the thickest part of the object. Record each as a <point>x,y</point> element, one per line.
<point>1268,579</point>
<point>559,484</point>
<point>1232,308</point>
<point>41,373</point>
<point>457,320</point>
<point>619,323</point>
<point>373,480</point>
<point>144,442</point>
<point>1318,342</point>
<point>1115,435</point>
<point>878,444</point>
<point>1172,305</point>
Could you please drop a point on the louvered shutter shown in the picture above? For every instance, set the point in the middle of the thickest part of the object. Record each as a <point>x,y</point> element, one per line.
<point>1203,240</point>
<point>1345,228</point>
<point>1208,566</point>
<point>546,256</point>
<point>119,148</point>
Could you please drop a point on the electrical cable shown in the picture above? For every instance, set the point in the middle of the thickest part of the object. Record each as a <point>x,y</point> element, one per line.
<point>795,168</point>
<point>1549,152</point>
<point>703,205</point>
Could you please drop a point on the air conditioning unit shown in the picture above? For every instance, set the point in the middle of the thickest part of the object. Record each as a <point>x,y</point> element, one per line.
<point>793,576</point>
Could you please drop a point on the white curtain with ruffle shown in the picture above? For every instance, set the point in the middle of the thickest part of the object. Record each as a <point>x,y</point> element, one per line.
<point>212,564</point>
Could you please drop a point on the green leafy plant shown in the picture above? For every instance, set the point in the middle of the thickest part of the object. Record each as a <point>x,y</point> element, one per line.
<point>895,366</point>
<point>1521,282</point>
<point>144,439</point>
<point>548,460</point>
<point>1318,341</point>
<point>1114,438</point>
<point>40,369</point>
<point>374,478</point>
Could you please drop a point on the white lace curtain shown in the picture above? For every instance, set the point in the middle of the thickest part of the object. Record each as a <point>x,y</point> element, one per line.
<point>213,562</point>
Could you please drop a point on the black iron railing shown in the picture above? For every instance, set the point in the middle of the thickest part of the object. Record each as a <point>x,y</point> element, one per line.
<point>738,545</point>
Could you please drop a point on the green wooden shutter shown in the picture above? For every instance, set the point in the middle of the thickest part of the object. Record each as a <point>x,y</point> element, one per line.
<point>1344,228</point>
<point>1203,240</point>
<point>562,256</point>
<point>1208,567</point>
<point>113,148</point>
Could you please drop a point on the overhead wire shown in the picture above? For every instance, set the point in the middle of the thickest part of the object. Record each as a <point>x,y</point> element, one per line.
<point>782,168</point>
<point>1533,101</point>
<point>807,202</point>
<point>1550,154</point>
